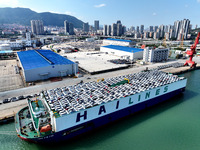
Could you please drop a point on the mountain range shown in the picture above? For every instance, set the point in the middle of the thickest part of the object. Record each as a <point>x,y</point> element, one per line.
<point>23,16</point>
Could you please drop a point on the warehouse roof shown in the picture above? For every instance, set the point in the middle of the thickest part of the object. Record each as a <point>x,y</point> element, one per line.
<point>41,58</point>
<point>120,40</point>
<point>124,48</point>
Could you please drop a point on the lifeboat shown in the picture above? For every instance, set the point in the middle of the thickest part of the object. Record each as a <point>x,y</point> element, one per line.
<point>45,128</point>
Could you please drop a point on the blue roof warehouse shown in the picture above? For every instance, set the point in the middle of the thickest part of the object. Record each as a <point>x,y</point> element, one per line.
<point>123,51</point>
<point>44,64</point>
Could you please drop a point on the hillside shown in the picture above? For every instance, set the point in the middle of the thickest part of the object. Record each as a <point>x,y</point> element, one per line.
<point>24,15</point>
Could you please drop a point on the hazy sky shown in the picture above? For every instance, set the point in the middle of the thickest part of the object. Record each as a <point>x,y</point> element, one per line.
<point>130,12</point>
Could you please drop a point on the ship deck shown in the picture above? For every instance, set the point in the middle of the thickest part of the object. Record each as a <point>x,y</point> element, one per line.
<point>25,124</point>
<point>28,125</point>
<point>70,99</point>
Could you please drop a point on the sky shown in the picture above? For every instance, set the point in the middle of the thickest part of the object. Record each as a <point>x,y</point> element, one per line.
<point>130,12</point>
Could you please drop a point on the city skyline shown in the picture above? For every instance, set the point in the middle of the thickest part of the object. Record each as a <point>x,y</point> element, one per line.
<point>131,13</point>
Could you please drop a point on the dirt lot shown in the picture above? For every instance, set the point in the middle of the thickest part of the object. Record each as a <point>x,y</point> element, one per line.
<point>9,80</point>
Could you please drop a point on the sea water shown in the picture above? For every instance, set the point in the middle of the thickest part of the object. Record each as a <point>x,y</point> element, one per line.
<point>172,125</point>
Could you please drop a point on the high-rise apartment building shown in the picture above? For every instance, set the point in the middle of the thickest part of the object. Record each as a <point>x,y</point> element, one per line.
<point>186,27</point>
<point>123,29</point>
<point>166,28</point>
<point>137,29</point>
<point>105,29</point>
<point>142,29</point>
<point>171,33</point>
<point>119,21</point>
<point>176,28</point>
<point>162,31</point>
<point>119,29</point>
<point>86,27</point>
<point>37,27</point>
<point>151,34</point>
<point>66,27</point>
<point>91,28</point>
<point>190,28</point>
<point>69,27</point>
<point>109,30</point>
<point>181,29</point>
<point>114,29</point>
<point>157,34</point>
<point>146,35</point>
<point>155,28</point>
<point>132,28</point>
<point>96,25</point>
<point>151,28</point>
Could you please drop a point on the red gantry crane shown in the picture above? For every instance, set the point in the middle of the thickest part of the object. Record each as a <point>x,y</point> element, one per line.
<point>192,52</point>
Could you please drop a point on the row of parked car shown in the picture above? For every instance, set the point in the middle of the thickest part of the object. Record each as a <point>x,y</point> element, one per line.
<point>13,99</point>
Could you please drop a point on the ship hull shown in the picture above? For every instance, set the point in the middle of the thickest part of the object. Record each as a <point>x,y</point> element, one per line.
<point>104,120</point>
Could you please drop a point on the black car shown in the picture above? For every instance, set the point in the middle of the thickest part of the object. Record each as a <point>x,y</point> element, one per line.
<point>29,96</point>
<point>36,95</point>
<point>6,101</point>
<point>21,97</point>
<point>13,99</point>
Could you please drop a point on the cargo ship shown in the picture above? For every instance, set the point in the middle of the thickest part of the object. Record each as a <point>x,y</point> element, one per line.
<point>64,113</point>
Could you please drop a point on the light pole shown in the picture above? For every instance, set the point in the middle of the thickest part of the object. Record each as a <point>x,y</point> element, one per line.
<point>133,57</point>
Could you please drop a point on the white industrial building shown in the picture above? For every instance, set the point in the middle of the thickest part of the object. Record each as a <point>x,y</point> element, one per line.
<point>16,44</point>
<point>89,39</point>
<point>5,47</point>
<point>123,51</point>
<point>44,64</point>
<point>155,55</point>
<point>120,42</point>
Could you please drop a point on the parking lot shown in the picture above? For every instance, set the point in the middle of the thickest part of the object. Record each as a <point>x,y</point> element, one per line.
<point>9,80</point>
<point>94,61</point>
<point>84,45</point>
<point>81,45</point>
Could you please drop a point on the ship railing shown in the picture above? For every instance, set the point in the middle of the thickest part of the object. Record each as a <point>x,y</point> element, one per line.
<point>30,107</point>
<point>17,122</point>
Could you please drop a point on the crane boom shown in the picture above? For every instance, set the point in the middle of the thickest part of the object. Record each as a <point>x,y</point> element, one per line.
<point>191,52</point>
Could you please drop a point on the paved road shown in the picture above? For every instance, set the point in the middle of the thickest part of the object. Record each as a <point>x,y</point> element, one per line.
<point>72,81</point>
<point>10,107</point>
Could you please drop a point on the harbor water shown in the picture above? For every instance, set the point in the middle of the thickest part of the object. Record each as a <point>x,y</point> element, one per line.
<point>173,125</point>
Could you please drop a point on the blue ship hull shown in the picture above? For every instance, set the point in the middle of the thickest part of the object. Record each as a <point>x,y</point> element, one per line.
<point>96,123</point>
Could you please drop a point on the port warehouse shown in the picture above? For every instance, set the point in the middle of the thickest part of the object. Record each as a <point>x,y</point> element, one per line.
<point>123,51</point>
<point>44,64</point>
<point>121,42</point>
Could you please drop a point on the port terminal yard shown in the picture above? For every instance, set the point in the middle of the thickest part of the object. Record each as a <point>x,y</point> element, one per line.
<point>8,110</point>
